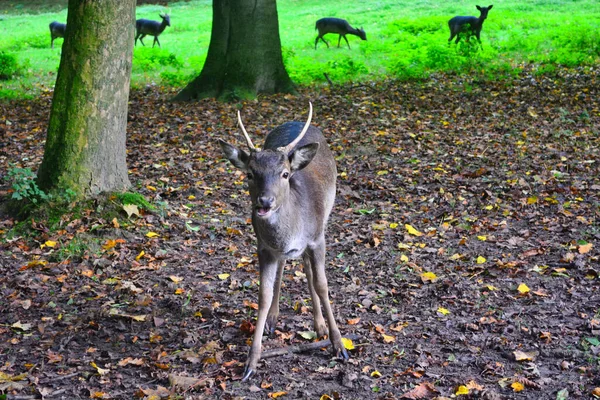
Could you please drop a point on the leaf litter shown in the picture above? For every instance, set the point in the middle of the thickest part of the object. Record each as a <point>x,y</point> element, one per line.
<point>501,178</point>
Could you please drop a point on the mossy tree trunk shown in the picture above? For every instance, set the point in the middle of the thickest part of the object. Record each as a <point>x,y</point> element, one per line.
<point>244,56</point>
<point>85,143</point>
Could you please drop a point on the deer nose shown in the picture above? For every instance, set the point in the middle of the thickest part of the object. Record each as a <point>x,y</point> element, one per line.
<point>266,201</point>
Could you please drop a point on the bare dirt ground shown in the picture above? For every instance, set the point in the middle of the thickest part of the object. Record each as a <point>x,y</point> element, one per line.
<point>463,251</point>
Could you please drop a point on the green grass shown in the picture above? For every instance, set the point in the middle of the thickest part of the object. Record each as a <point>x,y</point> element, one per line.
<point>406,40</point>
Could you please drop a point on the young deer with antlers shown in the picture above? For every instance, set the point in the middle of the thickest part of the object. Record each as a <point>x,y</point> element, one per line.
<point>292,187</point>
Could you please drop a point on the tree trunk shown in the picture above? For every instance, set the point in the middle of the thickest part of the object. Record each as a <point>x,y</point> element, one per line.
<point>244,57</point>
<point>85,144</point>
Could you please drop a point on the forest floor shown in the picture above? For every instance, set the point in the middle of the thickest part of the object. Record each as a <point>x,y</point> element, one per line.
<point>463,251</point>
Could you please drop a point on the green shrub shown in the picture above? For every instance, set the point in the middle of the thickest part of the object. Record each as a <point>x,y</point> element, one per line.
<point>151,59</point>
<point>9,66</point>
<point>24,187</point>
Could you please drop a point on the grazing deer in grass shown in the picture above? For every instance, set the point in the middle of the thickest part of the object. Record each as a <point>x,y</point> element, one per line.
<point>469,25</point>
<point>339,26</point>
<point>145,27</point>
<point>57,30</point>
<point>292,188</point>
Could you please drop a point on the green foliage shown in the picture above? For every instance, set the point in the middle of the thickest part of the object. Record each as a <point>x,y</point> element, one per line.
<point>153,59</point>
<point>405,40</point>
<point>22,181</point>
<point>9,66</point>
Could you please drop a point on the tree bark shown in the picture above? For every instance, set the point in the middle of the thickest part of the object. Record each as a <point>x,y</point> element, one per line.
<point>85,143</point>
<point>244,56</point>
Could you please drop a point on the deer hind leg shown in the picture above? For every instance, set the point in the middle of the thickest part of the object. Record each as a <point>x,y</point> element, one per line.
<point>319,321</point>
<point>316,254</point>
<point>274,309</point>
<point>155,41</point>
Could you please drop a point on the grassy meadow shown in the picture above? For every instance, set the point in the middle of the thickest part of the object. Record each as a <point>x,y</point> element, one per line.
<point>406,40</point>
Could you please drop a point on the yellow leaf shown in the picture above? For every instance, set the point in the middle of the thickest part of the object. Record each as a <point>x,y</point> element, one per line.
<point>491,287</point>
<point>523,288</point>
<point>151,188</point>
<point>191,197</point>
<point>388,338</point>
<point>517,386</point>
<point>184,151</point>
<point>179,291</point>
<point>481,260</point>
<point>109,244</point>
<point>139,318</point>
<point>131,209</point>
<point>223,276</point>
<point>152,234</point>
<point>376,374</point>
<point>532,200</point>
<point>462,389</point>
<point>428,276</point>
<point>456,256</point>
<point>443,311</point>
<point>325,397</point>
<point>175,279</point>
<point>348,345</point>
<point>101,371</point>
<point>50,243</point>
<point>403,258</point>
<point>412,231</point>
<point>482,238</point>
<point>275,395</point>
<point>137,258</point>
<point>393,225</point>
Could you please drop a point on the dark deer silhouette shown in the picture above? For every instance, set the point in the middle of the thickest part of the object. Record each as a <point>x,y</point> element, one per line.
<point>339,26</point>
<point>292,187</point>
<point>57,30</point>
<point>145,27</point>
<point>469,25</point>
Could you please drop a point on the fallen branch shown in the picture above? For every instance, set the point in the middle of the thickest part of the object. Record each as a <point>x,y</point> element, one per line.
<point>302,348</point>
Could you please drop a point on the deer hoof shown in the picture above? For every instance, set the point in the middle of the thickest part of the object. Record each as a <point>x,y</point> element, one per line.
<point>270,326</point>
<point>248,374</point>
<point>343,353</point>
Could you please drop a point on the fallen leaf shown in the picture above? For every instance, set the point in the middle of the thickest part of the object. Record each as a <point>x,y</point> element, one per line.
<point>428,277</point>
<point>517,386</point>
<point>462,389</point>
<point>412,231</point>
<point>443,311</point>
<point>481,260</point>
<point>524,356</point>
<point>152,234</point>
<point>585,248</point>
<point>131,209</point>
<point>523,289</point>
<point>348,345</point>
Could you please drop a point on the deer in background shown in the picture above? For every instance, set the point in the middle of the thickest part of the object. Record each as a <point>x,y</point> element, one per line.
<point>339,26</point>
<point>292,188</point>
<point>469,25</point>
<point>57,30</point>
<point>145,27</point>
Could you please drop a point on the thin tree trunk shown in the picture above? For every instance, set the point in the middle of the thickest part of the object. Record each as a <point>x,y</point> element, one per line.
<point>85,144</point>
<point>244,57</point>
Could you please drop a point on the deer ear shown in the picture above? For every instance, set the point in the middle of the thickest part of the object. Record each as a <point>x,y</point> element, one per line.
<point>490,7</point>
<point>303,156</point>
<point>479,8</point>
<point>237,157</point>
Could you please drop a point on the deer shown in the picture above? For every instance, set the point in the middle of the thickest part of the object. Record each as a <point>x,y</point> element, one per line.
<point>339,26</point>
<point>145,27</point>
<point>292,184</point>
<point>57,30</point>
<point>469,25</point>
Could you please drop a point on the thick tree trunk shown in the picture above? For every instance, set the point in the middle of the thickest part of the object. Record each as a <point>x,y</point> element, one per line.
<point>244,57</point>
<point>85,144</point>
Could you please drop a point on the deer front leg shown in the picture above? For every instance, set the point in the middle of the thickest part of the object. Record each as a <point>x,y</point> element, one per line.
<point>316,253</point>
<point>274,310</point>
<point>268,275</point>
<point>319,322</point>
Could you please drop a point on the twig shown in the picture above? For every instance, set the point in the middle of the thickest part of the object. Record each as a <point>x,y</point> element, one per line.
<point>328,80</point>
<point>302,348</point>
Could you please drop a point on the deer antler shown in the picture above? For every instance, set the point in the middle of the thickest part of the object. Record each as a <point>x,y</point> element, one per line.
<point>248,140</point>
<point>287,149</point>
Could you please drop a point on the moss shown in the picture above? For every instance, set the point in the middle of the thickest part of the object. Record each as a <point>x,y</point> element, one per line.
<point>135,198</point>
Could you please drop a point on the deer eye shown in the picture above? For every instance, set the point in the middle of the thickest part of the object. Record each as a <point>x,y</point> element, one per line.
<point>285,174</point>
